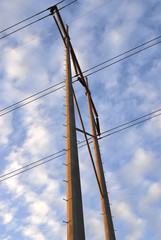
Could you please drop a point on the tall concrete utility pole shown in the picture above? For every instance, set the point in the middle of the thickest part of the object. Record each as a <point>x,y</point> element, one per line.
<point>75,222</point>
<point>107,218</point>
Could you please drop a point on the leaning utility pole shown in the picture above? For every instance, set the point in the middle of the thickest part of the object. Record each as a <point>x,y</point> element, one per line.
<point>75,222</point>
<point>106,212</point>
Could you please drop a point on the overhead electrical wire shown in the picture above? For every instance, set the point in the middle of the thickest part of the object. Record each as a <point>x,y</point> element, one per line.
<point>147,119</point>
<point>146,115</point>
<point>35,94</point>
<point>130,55</point>
<point>72,21</point>
<point>27,98</point>
<point>28,42</point>
<point>130,50</point>
<point>26,19</point>
<point>89,12</point>
<point>17,171</point>
<point>122,129</point>
<point>5,175</point>
<point>32,163</point>
<point>98,64</point>
<point>75,76</point>
<point>85,70</point>
<point>29,24</point>
<point>24,104</point>
<point>39,162</point>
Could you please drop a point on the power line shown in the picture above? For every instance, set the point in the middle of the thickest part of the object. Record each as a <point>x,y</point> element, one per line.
<point>30,164</point>
<point>29,24</point>
<point>28,42</point>
<point>27,98</point>
<point>122,129</point>
<point>130,55</point>
<point>129,126</point>
<point>24,104</point>
<point>141,50</point>
<point>106,60</point>
<point>26,19</point>
<point>26,166</point>
<point>35,94</point>
<point>83,72</point>
<point>100,63</point>
<point>130,50</point>
<point>109,60</point>
<point>146,115</point>
<point>64,85</point>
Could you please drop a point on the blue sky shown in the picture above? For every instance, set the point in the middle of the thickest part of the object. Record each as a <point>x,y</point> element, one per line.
<point>31,204</point>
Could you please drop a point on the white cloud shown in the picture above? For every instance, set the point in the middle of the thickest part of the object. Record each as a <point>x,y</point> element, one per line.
<point>16,68</point>
<point>138,89</point>
<point>94,225</point>
<point>9,237</point>
<point>14,186</point>
<point>37,138</point>
<point>154,125</point>
<point>39,207</point>
<point>7,218</point>
<point>5,129</point>
<point>153,195</point>
<point>33,233</point>
<point>135,225</point>
<point>6,213</point>
<point>39,211</point>
<point>154,192</point>
<point>135,170</point>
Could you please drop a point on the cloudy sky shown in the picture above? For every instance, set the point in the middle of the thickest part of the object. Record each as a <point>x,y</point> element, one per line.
<point>31,60</point>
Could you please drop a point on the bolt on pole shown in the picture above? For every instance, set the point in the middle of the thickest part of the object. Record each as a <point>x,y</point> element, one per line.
<point>107,217</point>
<point>75,221</point>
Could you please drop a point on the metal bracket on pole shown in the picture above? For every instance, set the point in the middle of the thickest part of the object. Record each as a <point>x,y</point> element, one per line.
<point>68,180</point>
<point>67,199</point>
<point>85,132</point>
<point>96,116</point>
<point>66,222</point>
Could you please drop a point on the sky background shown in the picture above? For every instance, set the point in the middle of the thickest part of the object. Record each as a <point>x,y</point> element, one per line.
<point>31,204</point>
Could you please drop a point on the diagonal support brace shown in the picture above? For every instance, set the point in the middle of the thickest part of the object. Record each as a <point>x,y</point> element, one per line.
<point>89,150</point>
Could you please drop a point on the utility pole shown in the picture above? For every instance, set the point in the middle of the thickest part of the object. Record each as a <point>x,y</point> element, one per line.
<point>106,212</point>
<point>75,222</point>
